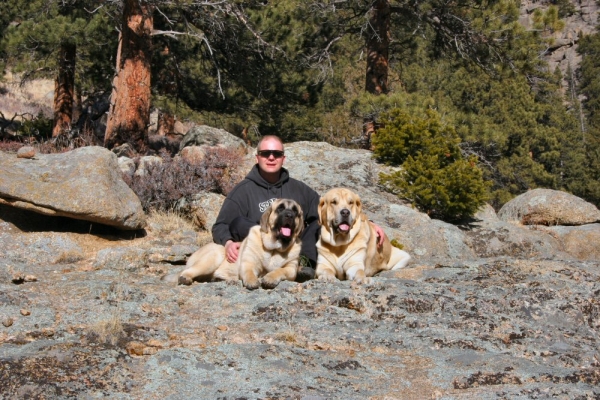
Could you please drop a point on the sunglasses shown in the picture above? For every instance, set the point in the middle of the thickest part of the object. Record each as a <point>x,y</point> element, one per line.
<point>269,153</point>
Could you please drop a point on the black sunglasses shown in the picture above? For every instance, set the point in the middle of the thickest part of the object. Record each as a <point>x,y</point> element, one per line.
<point>268,153</point>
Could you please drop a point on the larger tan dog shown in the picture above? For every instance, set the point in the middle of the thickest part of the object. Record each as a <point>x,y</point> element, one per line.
<point>348,247</point>
<point>271,251</point>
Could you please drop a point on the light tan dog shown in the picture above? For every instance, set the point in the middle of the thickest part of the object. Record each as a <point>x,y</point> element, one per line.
<point>348,247</point>
<point>271,251</point>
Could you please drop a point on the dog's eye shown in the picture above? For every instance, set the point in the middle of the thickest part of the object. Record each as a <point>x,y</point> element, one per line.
<point>280,208</point>
<point>334,202</point>
<point>295,210</point>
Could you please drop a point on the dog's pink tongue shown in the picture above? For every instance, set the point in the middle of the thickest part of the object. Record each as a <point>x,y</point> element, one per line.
<point>344,227</point>
<point>286,231</point>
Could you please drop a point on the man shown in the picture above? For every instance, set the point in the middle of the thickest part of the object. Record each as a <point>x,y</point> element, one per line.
<point>267,181</point>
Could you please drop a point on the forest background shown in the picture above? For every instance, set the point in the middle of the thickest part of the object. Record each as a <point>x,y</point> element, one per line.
<point>425,84</point>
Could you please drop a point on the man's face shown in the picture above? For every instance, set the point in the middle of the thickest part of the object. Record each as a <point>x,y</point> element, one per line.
<point>270,163</point>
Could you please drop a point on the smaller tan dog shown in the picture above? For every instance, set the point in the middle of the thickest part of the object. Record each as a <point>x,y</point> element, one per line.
<point>271,251</point>
<point>348,247</point>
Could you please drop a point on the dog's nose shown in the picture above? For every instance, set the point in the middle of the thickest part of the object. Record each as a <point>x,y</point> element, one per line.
<point>345,213</point>
<point>288,214</point>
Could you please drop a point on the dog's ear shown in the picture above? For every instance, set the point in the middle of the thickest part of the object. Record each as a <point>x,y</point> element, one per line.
<point>322,212</point>
<point>265,226</point>
<point>358,205</point>
<point>299,220</point>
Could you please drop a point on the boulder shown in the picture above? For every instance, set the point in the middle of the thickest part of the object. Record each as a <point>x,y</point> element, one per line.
<point>205,135</point>
<point>549,207</point>
<point>147,162</point>
<point>84,184</point>
<point>127,166</point>
<point>581,242</point>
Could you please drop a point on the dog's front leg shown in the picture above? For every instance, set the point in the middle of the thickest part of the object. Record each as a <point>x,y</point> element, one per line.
<point>356,273</point>
<point>325,271</point>
<point>249,274</point>
<point>286,273</point>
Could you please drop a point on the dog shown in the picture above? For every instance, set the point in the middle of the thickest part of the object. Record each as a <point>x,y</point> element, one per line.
<point>347,247</point>
<point>269,254</point>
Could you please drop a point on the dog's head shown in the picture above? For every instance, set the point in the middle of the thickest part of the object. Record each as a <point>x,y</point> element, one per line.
<point>283,220</point>
<point>339,209</point>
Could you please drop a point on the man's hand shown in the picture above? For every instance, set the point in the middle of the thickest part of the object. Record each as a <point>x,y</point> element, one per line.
<point>231,250</point>
<point>380,234</point>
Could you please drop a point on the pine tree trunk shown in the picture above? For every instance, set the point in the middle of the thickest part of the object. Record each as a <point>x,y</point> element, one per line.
<point>64,89</point>
<point>129,113</point>
<point>378,44</point>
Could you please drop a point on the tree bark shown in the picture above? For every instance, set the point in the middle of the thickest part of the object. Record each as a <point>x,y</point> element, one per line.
<point>129,113</point>
<point>378,44</point>
<point>64,89</point>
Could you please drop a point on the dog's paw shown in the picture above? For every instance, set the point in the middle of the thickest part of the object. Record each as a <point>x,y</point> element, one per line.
<point>184,280</point>
<point>267,283</point>
<point>252,284</point>
<point>327,278</point>
<point>363,280</point>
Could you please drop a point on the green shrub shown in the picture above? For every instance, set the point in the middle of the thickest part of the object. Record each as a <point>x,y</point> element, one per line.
<point>36,127</point>
<point>405,134</point>
<point>434,177</point>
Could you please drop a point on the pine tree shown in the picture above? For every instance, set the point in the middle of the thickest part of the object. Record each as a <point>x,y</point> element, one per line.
<point>434,175</point>
<point>44,40</point>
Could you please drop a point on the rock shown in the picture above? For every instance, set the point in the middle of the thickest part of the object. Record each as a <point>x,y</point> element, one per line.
<point>193,154</point>
<point>486,213</point>
<point>26,152</point>
<point>127,166</point>
<point>204,207</point>
<point>549,207</point>
<point>83,184</point>
<point>147,162</point>
<point>205,135</point>
<point>581,242</point>
<point>502,239</point>
<point>488,309</point>
<point>563,53</point>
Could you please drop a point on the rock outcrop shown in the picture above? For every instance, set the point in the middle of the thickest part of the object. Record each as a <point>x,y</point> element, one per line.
<point>488,309</point>
<point>549,207</point>
<point>84,184</point>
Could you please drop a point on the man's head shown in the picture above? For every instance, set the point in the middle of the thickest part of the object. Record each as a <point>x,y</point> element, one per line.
<point>270,157</point>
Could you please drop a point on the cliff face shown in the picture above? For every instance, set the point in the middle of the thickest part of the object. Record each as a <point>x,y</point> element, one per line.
<point>563,51</point>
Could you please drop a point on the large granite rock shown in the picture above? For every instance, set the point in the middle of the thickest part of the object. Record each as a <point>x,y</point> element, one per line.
<point>549,207</point>
<point>487,310</point>
<point>201,135</point>
<point>84,184</point>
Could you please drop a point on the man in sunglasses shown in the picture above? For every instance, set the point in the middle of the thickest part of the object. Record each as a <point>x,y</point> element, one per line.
<point>265,182</point>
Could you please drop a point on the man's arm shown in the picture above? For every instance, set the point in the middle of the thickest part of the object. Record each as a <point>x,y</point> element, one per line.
<point>232,250</point>
<point>220,230</point>
<point>379,232</point>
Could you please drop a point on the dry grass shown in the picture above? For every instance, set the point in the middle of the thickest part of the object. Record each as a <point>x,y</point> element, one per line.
<point>107,330</point>
<point>289,337</point>
<point>168,221</point>
<point>69,257</point>
<point>161,223</point>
